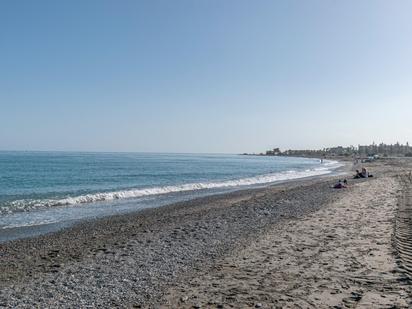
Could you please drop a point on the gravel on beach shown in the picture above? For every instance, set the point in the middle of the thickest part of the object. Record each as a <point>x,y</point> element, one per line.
<point>135,260</point>
<point>130,260</point>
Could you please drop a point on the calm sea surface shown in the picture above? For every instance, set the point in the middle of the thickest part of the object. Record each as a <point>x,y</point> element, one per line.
<point>38,188</point>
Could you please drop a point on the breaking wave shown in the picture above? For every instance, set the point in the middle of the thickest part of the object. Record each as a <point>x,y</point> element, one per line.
<point>24,205</point>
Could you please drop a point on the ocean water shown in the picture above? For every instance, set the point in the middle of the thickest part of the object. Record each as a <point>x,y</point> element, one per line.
<point>38,188</point>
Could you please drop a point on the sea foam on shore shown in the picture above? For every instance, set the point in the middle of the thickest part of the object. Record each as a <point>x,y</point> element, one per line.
<point>32,204</point>
<point>40,189</point>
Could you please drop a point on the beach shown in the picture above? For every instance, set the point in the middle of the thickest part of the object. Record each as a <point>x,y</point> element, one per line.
<point>299,244</point>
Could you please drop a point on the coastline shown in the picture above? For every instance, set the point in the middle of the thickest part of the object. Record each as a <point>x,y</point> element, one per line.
<point>125,206</point>
<point>135,259</point>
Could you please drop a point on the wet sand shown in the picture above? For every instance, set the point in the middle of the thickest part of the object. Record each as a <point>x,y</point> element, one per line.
<point>297,244</point>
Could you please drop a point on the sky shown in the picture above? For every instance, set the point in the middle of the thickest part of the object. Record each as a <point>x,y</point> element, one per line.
<point>205,76</point>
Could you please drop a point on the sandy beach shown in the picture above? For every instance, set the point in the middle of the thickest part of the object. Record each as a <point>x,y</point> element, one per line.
<point>206,154</point>
<point>298,245</point>
<point>340,256</point>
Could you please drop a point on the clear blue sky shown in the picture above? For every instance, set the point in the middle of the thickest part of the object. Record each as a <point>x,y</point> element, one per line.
<point>204,76</point>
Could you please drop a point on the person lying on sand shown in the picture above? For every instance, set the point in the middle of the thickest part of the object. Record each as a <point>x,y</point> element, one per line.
<point>340,184</point>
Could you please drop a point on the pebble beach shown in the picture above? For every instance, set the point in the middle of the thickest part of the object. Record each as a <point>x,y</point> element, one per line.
<point>299,244</point>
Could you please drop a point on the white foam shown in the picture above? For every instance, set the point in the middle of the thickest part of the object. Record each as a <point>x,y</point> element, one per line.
<point>26,205</point>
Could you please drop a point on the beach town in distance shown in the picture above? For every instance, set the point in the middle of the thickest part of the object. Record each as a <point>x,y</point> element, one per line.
<point>372,150</point>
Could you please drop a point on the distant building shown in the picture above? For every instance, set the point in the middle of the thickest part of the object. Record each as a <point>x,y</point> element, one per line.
<point>385,150</point>
<point>273,152</point>
<point>362,150</point>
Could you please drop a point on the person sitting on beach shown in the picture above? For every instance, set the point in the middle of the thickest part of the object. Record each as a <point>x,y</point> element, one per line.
<point>363,174</point>
<point>357,175</point>
<point>366,174</point>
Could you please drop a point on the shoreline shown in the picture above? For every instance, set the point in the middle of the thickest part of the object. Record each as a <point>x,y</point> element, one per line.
<point>195,232</point>
<point>36,230</point>
<point>135,259</point>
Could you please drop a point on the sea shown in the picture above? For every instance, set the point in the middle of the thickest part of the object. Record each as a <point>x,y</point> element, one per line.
<point>45,191</point>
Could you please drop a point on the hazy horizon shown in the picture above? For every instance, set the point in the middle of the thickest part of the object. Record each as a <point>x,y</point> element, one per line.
<point>204,76</point>
<point>200,153</point>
